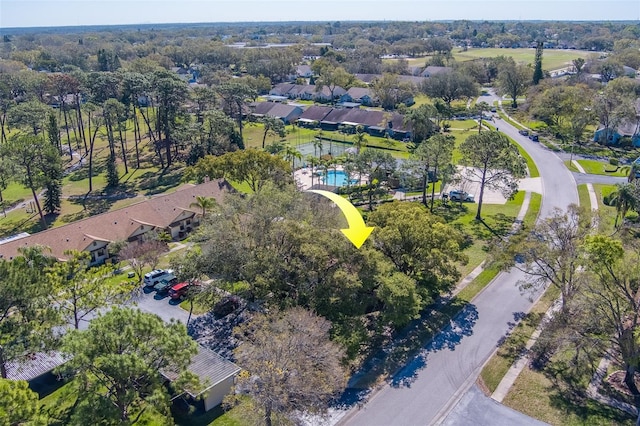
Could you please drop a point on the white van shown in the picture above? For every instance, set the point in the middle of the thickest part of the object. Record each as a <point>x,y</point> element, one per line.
<point>154,277</point>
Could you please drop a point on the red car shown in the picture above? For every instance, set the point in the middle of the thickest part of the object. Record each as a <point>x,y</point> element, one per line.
<point>178,290</point>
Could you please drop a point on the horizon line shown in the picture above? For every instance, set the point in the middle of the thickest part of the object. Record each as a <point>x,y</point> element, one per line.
<point>315,21</point>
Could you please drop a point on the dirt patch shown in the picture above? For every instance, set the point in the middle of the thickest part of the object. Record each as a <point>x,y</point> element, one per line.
<point>483,387</point>
<point>616,382</point>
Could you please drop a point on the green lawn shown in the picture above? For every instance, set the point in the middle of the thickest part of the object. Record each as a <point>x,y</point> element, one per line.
<point>583,196</point>
<point>489,273</point>
<point>498,219</point>
<point>596,167</point>
<point>551,58</point>
<point>607,213</point>
<point>536,395</point>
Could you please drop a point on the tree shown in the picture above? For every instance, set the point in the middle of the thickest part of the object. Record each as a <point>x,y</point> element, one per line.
<point>612,109</point>
<point>421,121</point>
<point>251,166</point>
<point>450,86</point>
<point>26,316</point>
<point>331,77</point>
<point>53,132</point>
<point>433,154</point>
<point>235,96</point>
<point>578,64</point>
<point>493,162</point>
<point>32,156</point>
<point>611,303</point>
<point>293,367</point>
<point>567,110</point>
<point>420,245</point>
<point>552,253</point>
<point>377,166</point>
<point>141,254</point>
<point>538,74</point>
<point>359,139</point>
<point>30,115</point>
<point>391,92</point>
<point>273,126</point>
<point>513,80</point>
<point>624,198</point>
<point>170,92</point>
<point>119,361</point>
<point>53,184</point>
<point>19,404</point>
<point>292,154</point>
<point>81,291</point>
<point>204,203</point>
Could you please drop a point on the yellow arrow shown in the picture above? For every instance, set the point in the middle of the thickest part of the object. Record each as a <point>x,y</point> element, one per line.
<point>358,231</point>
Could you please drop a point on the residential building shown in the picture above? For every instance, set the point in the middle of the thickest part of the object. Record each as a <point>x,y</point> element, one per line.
<point>170,213</point>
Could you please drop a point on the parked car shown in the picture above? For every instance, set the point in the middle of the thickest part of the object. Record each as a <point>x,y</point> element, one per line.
<point>533,137</point>
<point>459,195</point>
<point>178,290</point>
<point>523,132</point>
<point>154,277</point>
<point>150,277</point>
<point>164,285</point>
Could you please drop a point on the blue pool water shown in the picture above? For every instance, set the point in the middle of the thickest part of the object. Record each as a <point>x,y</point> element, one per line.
<point>336,178</point>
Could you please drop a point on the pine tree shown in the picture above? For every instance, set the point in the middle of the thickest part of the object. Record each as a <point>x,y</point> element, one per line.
<point>53,187</point>
<point>112,172</point>
<point>53,132</point>
<point>537,72</point>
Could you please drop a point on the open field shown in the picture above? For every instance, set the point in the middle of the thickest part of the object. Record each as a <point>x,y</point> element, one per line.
<point>552,59</point>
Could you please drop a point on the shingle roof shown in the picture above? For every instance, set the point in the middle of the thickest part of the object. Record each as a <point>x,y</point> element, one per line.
<point>359,92</point>
<point>316,113</point>
<point>119,224</point>
<point>210,368</point>
<point>277,110</point>
<point>34,366</point>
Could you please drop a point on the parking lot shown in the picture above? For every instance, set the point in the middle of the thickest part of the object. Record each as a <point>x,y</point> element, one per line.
<point>148,300</point>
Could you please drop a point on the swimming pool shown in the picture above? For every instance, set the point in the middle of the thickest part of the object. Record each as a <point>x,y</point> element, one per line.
<point>336,178</point>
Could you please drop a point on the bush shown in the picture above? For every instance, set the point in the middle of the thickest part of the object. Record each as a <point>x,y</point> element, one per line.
<point>614,161</point>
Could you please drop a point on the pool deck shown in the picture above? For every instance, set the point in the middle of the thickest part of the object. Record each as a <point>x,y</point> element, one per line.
<point>303,178</point>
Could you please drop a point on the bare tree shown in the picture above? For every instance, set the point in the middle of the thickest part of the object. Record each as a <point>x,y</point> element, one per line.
<point>142,254</point>
<point>293,366</point>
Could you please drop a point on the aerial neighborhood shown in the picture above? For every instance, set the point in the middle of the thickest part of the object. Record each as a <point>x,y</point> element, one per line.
<point>344,223</point>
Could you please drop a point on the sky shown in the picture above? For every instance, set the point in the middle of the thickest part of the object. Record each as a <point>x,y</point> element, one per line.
<point>52,13</point>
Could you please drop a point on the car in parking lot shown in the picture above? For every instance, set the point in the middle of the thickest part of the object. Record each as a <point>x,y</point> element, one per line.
<point>460,195</point>
<point>178,290</point>
<point>154,277</point>
<point>164,285</point>
<point>523,132</point>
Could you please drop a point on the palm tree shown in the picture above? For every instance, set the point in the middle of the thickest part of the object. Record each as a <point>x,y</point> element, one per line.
<point>632,170</point>
<point>625,198</point>
<point>313,161</point>
<point>317,144</point>
<point>360,139</point>
<point>291,154</point>
<point>204,203</point>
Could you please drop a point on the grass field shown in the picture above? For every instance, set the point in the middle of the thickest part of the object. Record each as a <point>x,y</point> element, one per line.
<point>552,59</point>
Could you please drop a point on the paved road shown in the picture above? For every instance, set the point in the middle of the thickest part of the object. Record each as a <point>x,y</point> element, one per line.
<point>478,410</point>
<point>429,387</point>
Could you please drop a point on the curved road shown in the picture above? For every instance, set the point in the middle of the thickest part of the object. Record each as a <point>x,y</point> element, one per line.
<point>425,390</point>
